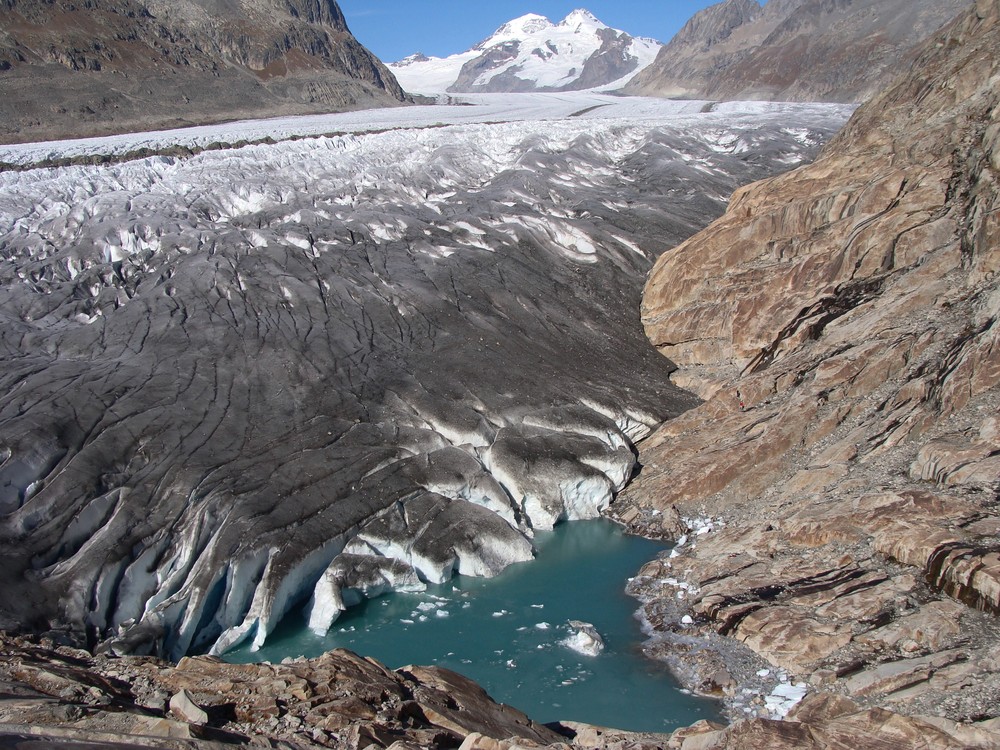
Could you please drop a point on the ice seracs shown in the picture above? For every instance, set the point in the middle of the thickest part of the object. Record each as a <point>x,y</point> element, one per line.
<point>349,579</point>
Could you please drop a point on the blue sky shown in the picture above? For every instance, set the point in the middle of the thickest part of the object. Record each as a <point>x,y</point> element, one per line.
<point>393,29</point>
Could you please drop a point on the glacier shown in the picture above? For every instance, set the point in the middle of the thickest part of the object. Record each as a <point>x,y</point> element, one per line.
<point>384,348</point>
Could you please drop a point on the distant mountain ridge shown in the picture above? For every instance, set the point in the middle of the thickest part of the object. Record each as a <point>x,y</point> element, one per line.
<point>71,68</point>
<point>801,50</point>
<point>531,53</point>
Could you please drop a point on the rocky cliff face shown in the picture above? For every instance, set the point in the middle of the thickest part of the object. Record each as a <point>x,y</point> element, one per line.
<point>717,23</point>
<point>714,41</point>
<point>116,65</point>
<point>799,50</point>
<point>841,322</point>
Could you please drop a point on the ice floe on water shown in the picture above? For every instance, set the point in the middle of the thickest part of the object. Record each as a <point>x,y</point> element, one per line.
<point>584,638</point>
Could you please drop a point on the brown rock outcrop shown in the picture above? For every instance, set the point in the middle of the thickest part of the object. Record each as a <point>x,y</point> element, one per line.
<point>337,700</point>
<point>841,322</point>
<point>56,695</point>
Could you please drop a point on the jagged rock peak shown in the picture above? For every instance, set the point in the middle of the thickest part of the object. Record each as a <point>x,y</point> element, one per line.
<point>416,57</point>
<point>324,12</point>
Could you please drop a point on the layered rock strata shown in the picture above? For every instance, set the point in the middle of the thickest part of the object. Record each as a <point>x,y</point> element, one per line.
<point>841,323</point>
<point>70,69</point>
<point>59,695</point>
<point>339,700</point>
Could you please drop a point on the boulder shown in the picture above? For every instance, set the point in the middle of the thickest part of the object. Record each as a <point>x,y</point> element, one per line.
<point>184,708</point>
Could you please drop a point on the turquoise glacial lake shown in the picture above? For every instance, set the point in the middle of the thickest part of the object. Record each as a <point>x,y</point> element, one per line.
<point>506,633</point>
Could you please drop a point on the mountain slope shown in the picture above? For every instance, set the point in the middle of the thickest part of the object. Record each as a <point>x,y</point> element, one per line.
<point>799,50</point>
<point>117,65</point>
<point>531,53</point>
<point>843,323</point>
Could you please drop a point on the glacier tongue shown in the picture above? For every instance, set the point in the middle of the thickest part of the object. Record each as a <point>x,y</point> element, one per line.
<point>224,376</point>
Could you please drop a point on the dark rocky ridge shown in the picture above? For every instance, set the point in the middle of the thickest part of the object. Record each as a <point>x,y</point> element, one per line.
<point>71,69</point>
<point>792,50</point>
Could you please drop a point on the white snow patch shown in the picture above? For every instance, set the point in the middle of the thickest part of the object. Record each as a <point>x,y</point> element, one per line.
<point>784,698</point>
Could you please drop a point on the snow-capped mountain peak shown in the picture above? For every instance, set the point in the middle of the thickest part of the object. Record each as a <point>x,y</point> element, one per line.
<point>580,18</point>
<point>416,57</point>
<point>530,53</point>
<point>519,28</point>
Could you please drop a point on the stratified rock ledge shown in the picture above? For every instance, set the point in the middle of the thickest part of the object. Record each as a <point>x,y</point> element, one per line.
<point>835,497</point>
<point>57,694</point>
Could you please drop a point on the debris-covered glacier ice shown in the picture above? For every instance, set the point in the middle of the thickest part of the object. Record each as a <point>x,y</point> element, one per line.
<point>222,372</point>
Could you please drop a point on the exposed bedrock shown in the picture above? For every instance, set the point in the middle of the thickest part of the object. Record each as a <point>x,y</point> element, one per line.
<point>339,700</point>
<point>841,322</point>
<point>227,379</point>
<point>58,695</point>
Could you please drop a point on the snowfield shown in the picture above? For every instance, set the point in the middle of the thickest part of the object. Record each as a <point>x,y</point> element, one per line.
<point>292,374</point>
